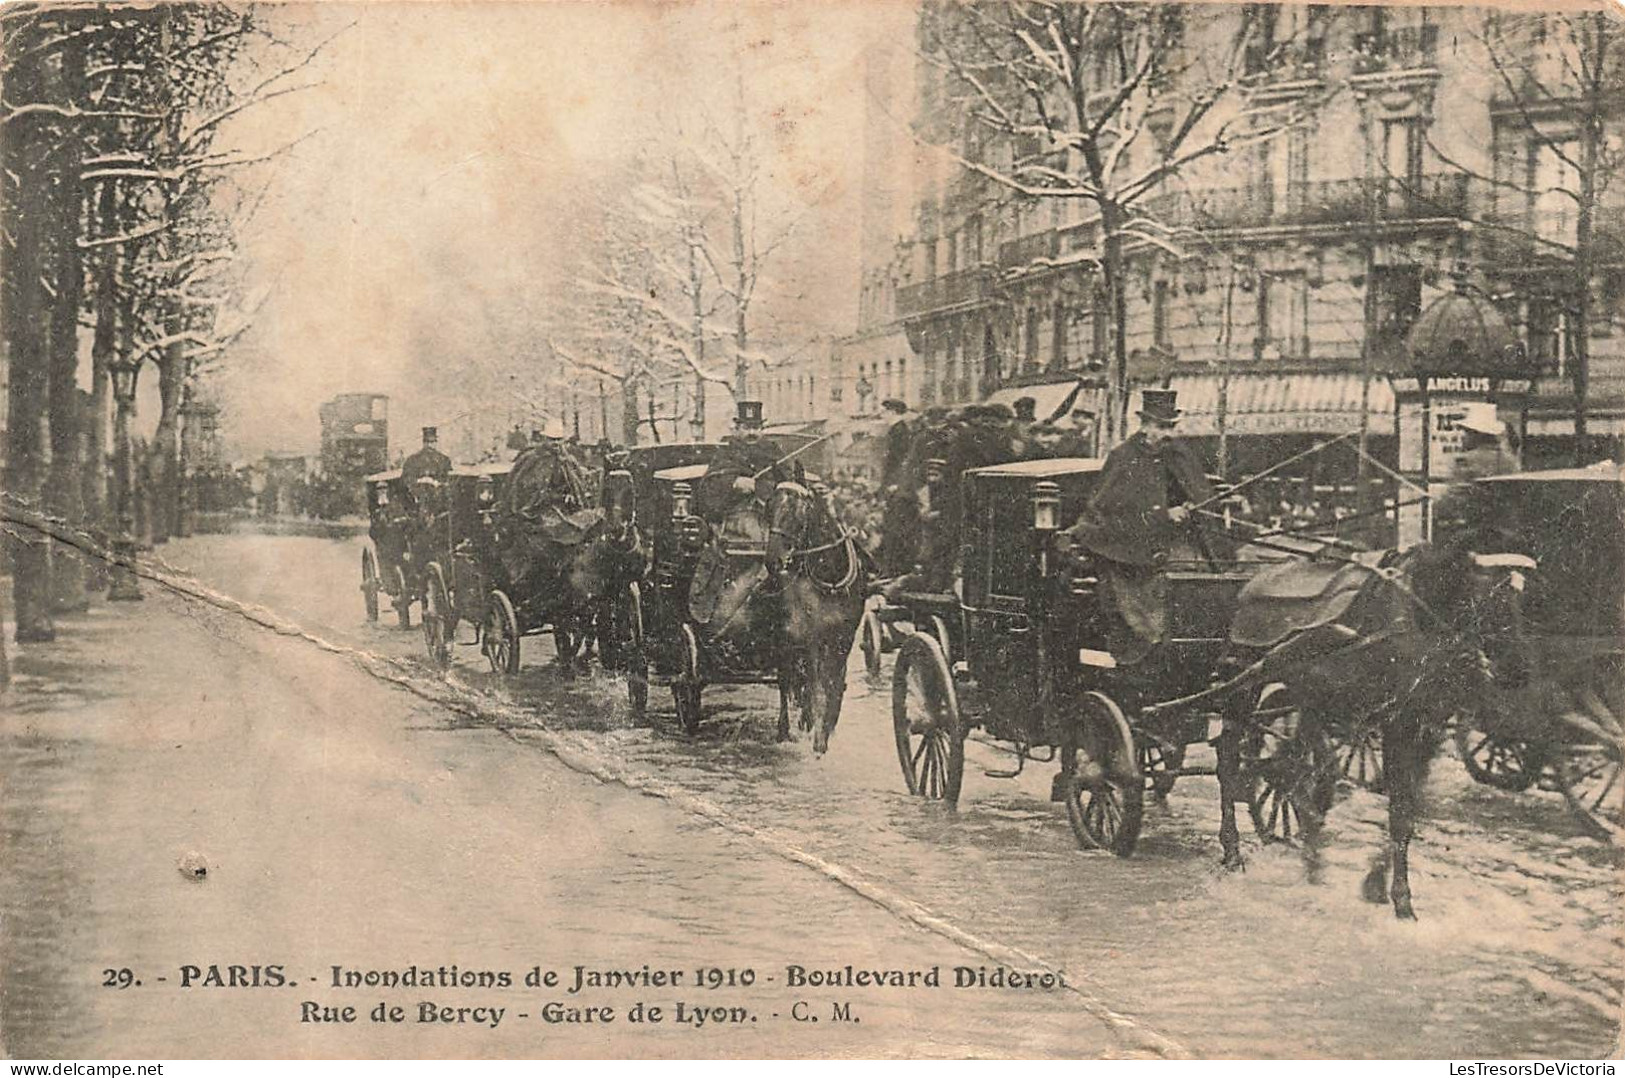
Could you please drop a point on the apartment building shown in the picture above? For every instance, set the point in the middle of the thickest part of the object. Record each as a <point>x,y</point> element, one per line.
<point>1365,155</point>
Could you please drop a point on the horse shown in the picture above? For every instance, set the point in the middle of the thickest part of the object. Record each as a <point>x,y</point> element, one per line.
<point>1428,632</point>
<point>822,574</point>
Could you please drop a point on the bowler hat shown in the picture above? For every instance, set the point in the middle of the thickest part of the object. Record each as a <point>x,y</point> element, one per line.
<point>1160,405</point>
<point>1025,408</point>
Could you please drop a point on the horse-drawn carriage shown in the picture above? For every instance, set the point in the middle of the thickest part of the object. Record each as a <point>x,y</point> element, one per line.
<point>696,601</point>
<point>1565,728</point>
<point>386,560</point>
<point>1019,651</point>
<point>1268,655</point>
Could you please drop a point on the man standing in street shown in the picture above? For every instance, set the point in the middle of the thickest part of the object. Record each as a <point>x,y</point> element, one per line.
<point>900,506</point>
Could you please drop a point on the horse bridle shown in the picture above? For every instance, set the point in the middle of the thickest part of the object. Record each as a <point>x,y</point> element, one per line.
<point>845,539</point>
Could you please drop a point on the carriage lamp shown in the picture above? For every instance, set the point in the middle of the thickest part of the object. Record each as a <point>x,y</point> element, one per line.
<point>935,468</point>
<point>383,497</point>
<point>682,495</point>
<point>487,491</point>
<point>1046,506</point>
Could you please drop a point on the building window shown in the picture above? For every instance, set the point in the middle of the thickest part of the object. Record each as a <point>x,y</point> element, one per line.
<point>1401,163</point>
<point>1029,355</point>
<point>1554,184</point>
<point>902,378</point>
<point>1159,315</point>
<point>1397,303</point>
<point>973,241</point>
<point>1546,327</point>
<point>1283,327</point>
<point>1057,359</point>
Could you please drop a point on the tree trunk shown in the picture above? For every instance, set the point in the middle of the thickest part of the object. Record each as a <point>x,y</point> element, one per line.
<point>102,348</point>
<point>165,492</point>
<point>1592,133</point>
<point>1112,271</point>
<point>629,411</point>
<point>29,369</point>
<point>63,492</point>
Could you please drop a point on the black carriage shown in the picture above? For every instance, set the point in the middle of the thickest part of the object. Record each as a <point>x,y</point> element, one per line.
<point>457,524</point>
<point>1020,650</point>
<point>386,565</point>
<point>649,503</point>
<point>1565,730</point>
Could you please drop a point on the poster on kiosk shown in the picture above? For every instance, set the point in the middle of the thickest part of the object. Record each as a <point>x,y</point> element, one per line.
<point>1453,429</point>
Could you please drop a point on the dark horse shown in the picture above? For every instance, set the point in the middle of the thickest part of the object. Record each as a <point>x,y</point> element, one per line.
<point>823,573</point>
<point>1429,632</point>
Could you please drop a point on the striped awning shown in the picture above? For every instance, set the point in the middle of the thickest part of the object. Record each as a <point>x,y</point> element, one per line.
<point>1278,402</point>
<point>1051,400</point>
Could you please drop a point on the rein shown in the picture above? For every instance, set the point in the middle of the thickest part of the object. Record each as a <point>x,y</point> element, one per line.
<point>844,539</point>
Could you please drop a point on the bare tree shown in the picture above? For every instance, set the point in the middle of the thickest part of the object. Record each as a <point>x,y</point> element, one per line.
<point>1103,103</point>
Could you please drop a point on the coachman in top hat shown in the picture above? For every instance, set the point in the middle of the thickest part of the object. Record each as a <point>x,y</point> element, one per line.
<point>1139,520</point>
<point>733,498</point>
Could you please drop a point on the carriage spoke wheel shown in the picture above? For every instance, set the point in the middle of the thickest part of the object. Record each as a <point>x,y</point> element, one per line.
<point>402,600</point>
<point>869,639</point>
<point>437,623</point>
<point>634,659</point>
<point>499,635</point>
<point>1590,778</point>
<point>1286,769</point>
<point>1105,787</point>
<point>1357,750</point>
<point>1160,761</point>
<point>686,689</point>
<point>370,584</point>
<point>1502,762</point>
<point>926,721</point>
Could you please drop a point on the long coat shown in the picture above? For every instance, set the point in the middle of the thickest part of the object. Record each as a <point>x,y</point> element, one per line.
<point>1126,525</point>
<point>1127,518</point>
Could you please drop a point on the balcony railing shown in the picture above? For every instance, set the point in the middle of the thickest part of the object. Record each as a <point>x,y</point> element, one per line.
<point>1401,49</point>
<point>971,285</point>
<point>1014,254</point>
<point>1320,202</point>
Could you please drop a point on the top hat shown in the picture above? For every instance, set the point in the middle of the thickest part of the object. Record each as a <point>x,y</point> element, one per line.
<point>1025,408</point>
<point>1159,405</point>
<point>749,415</point>
<point>430,434</point>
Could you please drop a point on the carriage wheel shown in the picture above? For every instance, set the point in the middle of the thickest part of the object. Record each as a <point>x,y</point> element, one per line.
<point>929,730</point>
<point>869,639</point>
<point>1286,768</point>
<point>1160,761</point>
<point>1591,781</point>
<point>1358,752</point>
<point>634,659</point>
<point>1105,790</point>
<point>1588,770</point>
<point>686,689</point>
<point>402,599</point>
<point>1502,762</point>
<point>939,629</point>
<point>499,635</point>
<point>370,584</point>
<point>437,619</point>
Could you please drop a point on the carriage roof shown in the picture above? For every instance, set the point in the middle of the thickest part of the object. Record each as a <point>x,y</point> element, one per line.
<point>687,473</point>
<point>1047,468</point>
<point>1605,472</point>
<point>491,468</point>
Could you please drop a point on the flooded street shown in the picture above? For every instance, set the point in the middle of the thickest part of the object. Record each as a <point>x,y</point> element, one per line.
<point>829,861</point>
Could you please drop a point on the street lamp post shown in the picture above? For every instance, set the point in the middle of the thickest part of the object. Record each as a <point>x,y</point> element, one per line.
<point>125,586</point>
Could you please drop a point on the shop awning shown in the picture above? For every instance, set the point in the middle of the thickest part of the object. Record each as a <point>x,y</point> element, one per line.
<point>1053,399</point>
<point>1278,402</point>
